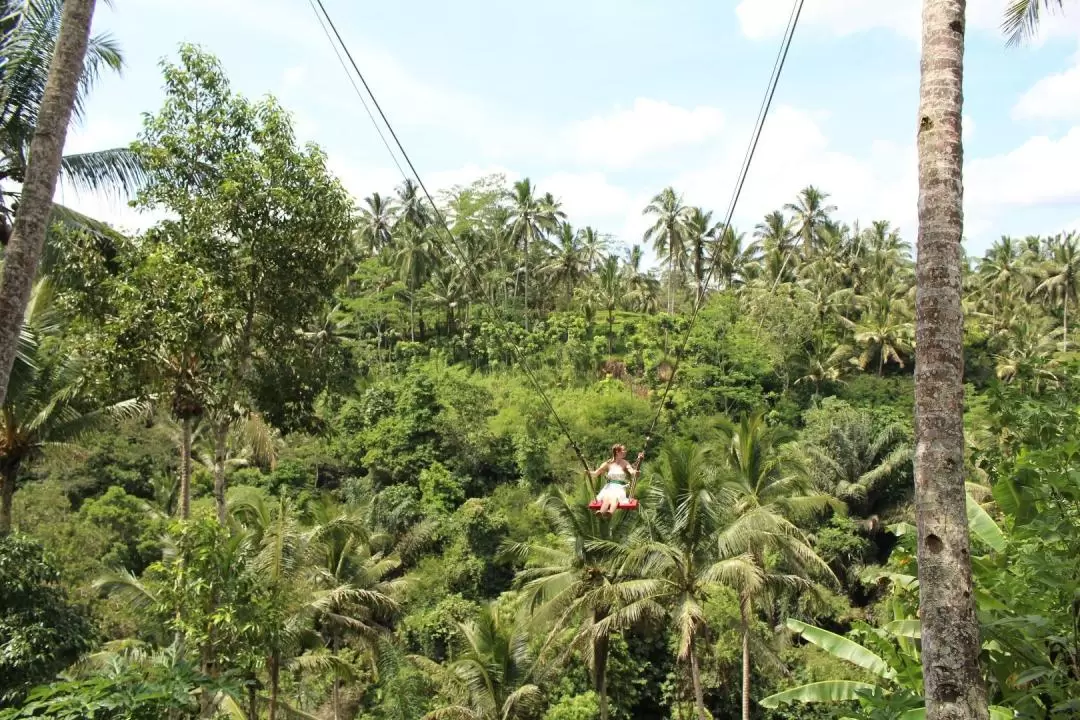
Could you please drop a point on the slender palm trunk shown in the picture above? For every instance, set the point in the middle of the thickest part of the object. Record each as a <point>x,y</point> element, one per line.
<point>526,281</point>
<point>274,666</point>
<point>337,680</point>
<point>185,467</point>
<point>600,658</point>
<point>610,329</point>
<point>23,251</point>
<point>950,632</point>
<point>695,679</point>
<point>221,435</point>
<point>671,280</point>
<point>7,493</point>
<point>744,612</point>
<point>1065,324</point>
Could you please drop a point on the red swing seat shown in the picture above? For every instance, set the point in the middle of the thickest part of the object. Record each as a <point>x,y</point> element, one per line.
<point>630,504</point>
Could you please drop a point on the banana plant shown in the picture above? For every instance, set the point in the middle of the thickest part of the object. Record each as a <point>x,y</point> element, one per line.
<point>893,662</point>
<point>897,681</point>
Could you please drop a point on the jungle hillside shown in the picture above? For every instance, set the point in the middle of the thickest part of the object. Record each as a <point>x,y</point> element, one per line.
<point>291,453</point>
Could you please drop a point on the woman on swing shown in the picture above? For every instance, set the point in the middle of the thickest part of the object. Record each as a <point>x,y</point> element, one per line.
<point>618,470</point>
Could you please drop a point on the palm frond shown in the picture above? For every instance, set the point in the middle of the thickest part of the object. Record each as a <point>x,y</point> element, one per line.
<point>118,170</point>
<point>1022,19</point>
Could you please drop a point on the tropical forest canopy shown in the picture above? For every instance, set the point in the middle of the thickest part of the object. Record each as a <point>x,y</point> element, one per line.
<point>283,454</point>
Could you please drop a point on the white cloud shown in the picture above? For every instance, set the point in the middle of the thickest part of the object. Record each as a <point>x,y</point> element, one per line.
<point>1042,171</point>
<point>795,152</point>
<point>1055,97</point>
<point>625,137</point>
<point>760,19</point>
<point>586,195</point>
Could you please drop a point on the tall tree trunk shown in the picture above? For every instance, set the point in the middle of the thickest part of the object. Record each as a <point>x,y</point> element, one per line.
<point>744,612</point>
<point>23,251</point>
<point>7,493</point>
<point>274,666</point>
<point>1065,324</point>
<point>526,281</point>
<point>695,679</point>
<point>337,680</point>
<point>600,658</point>
<point>253,701</point>
<point>185,467</point>
<point>221,437</point>
<point>950,632</point>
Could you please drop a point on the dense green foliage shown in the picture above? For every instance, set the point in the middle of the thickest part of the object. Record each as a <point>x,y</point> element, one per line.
<point>285,459</point>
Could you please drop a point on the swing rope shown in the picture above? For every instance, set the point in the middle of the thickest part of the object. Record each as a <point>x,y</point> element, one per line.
<point>519,356</point>
<point>763,112</point>
<point>318,7</point>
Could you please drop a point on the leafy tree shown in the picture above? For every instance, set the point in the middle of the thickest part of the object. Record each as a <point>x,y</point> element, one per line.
<point>41,632</point>
<point>46,400</point>
<point>254,194</point>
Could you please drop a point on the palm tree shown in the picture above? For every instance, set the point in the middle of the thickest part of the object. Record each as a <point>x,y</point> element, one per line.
<point>611,292</point>
<point>1062,277</point>
<point>856,457</point>
<point>345,552</point>
<point>701,233</point>
<point>677,555</point>
<point>44,137</point>
<point>414,259</point>
<point>573,582</point>
<point>811,215</point>
<point>730,259</point>
<point>530,219</point>
<point>669,234</point>
<point>288,559</point>
<point>642,288</point>
<point>488,678</point>
<point>764,493</point>
<point>46,403</point>
<point>411,202</point>
<point>568,263</point>
<point>376,223</point>
<point>950,629</point>
<point>594,247</point>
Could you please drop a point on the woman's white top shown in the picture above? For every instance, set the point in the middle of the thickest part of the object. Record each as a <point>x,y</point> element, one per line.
<point>616,473</point>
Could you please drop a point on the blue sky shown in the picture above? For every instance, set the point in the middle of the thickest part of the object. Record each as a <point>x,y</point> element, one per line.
<point>605,102</point>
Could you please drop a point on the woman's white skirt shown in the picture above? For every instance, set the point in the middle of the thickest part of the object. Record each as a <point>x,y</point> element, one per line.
<point>612,490</point>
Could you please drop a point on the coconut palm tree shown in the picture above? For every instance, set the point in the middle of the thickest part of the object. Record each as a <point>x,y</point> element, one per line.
<point>375,227</point>
<point>1061,277</point>
<point>669,234</point>
<point>810,216</point>
<point>531,217</point>
<point>568,263</point>
<point>573,583</point>
<point>764,491</point>
<point>677,557</point>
